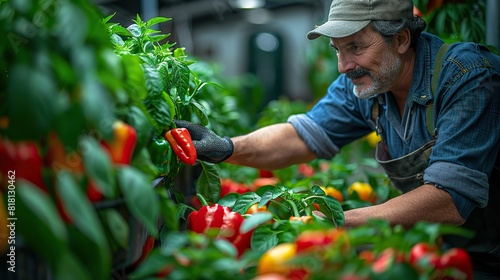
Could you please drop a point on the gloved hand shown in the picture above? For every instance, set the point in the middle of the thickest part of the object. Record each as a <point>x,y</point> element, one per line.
<point>209,146</point>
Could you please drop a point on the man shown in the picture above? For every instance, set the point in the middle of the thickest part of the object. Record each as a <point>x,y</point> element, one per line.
<point>441,146</point>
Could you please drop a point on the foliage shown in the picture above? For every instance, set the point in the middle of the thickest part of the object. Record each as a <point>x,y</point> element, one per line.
<point>455,20</point>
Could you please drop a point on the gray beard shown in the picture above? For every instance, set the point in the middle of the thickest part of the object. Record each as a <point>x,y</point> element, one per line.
<point>382,82</point>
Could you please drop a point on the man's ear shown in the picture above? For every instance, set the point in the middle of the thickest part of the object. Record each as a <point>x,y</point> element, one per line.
<point>402,40</point>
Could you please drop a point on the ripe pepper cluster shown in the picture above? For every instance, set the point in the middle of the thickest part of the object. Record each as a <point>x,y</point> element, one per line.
<point>220,222</point>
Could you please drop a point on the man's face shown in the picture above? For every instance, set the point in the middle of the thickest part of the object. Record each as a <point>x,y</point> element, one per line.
<point>370,62</point>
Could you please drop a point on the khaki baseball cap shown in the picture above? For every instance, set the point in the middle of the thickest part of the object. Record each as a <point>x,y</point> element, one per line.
<point>347,17</point>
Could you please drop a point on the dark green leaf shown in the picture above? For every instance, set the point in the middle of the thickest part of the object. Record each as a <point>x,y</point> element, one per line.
<point>198,109</point>
<point>98,166</point>
<point>140,197</point>
<point>264,238</point>
<point>135,78</point>
<point>245,201</point>
<point>97,107</point>
<point>316,190</point>
<point>208,183</point>
<point>440,21</point>
<point>255,220</point>
<point>168,210</point>
<point>117,226</point>
<point>180,79</point>
<point>227,248</point>
<point>270,195</point>
<point>79,208</point>
<point>70,268</point>
<point>71,35</point>
<point>151,265</point>
<point>229,199</point>
<point>35,210</point>
<point>173,241</point>
<point>335,208</point>
<point>159,110</point>
<point>69,125</point>
<point>31,102</point>
<point>154,83</point>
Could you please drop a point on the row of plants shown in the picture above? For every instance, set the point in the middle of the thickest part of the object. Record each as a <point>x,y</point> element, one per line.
<point>90,157</point>
<point>89,150</point>
<point>289,226</point>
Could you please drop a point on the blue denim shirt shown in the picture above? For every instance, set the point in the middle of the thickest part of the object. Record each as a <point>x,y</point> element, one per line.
<point>466,115</point>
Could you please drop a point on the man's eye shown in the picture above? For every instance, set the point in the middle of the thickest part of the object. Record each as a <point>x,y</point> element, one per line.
<point>356,48</point>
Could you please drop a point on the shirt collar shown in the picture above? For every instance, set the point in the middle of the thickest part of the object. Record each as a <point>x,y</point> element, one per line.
<point>420,89</point>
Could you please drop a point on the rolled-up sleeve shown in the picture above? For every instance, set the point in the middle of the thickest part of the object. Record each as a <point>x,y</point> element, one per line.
<point>314,136</point>
<point>468,191</point>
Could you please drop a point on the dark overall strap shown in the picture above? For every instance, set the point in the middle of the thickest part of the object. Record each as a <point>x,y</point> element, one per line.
<point>438,65</point>
<point>429,114</point>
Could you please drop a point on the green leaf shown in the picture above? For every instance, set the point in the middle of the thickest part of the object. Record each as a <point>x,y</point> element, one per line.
<point>173,241</point>
<point>140,197</point>
<point>151,265</point>
<point>208,183</point>
<point>168,210</point>
<point>31,102</point>
<point>154,83</point>
<point>156,20</point>
<point>255,220</point>
<point>38,223</point>
<point>70,268</point>
<point>180,79</point>
<point>135,30</point>
<point>117,40</point>
<point>135,78</point>
<point>264,238</point>
<point>229,199</point>
<point>316,190</point>
<point>95,257</point>
<point>98,166</point>
<point>79,208</point>
<point>160,111</point>
<point>98,107</point>
<point>335,208</point>
<point>116,225</point>
<point>69,125</point>
<point>245,201</point>
<point>199,110</point>
<point>271,194</point>
<point>227,248</point>
<point>71,35</point>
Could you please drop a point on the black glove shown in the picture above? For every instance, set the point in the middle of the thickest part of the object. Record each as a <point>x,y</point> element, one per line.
<point>209,146</point>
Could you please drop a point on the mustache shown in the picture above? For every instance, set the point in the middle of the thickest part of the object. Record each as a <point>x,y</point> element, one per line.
<point>357,73</point>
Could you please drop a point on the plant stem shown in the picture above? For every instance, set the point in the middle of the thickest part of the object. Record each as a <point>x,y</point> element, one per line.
<point>202,199</point>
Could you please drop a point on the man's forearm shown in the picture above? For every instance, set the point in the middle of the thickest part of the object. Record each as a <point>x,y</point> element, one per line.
<point>272,147</point>
<point>426,203</point>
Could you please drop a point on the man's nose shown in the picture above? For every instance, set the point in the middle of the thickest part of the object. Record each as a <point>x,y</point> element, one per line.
<point>345,64</point>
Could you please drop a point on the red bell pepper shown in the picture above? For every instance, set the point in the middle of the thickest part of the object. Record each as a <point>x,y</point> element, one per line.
<point>182,144</point>
<point>23,160</point>
<point>459,259</point>
<point>317,240</point>
<point>121,147</point>
<point>218,217</point>
<point>427,255</point>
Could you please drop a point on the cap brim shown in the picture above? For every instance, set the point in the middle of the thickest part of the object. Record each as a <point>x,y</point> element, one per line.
<point>337,29</point>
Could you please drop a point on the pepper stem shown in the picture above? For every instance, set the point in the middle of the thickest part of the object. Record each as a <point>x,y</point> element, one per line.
<point>202,199</point>
<point>294,208</point>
